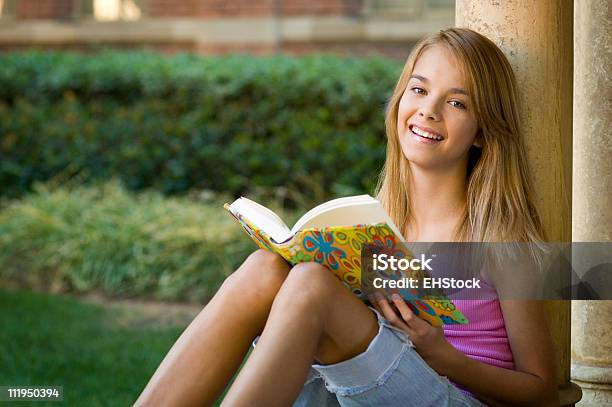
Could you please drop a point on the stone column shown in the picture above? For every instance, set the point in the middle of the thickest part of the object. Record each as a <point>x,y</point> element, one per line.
<point>592,180</point>
<point>536,36</point>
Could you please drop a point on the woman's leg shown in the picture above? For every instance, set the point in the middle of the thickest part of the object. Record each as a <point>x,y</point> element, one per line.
<point>313,316</point>
<point>207,354</point>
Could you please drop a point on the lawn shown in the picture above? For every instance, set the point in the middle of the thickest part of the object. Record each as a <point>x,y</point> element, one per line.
<point>84,347</point>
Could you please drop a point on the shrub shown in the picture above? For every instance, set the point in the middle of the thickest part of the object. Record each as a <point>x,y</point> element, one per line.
<point>124,244</point>
<point>313,125</point>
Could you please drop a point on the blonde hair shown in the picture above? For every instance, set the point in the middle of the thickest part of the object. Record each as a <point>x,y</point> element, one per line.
<point>499,205</point>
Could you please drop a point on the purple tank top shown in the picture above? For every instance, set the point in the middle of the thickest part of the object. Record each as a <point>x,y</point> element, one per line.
<point>484,338</point>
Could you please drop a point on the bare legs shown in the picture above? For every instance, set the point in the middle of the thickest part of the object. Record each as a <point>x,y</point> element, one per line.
<point>313,316</point>
<point>309,315</point>
<point>210,350</point>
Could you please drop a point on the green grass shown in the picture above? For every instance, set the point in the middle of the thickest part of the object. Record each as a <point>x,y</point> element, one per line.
<point>56,340</point>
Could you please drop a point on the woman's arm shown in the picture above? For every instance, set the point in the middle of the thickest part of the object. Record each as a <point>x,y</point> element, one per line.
<point>532,383</point>
<point>534,380</point>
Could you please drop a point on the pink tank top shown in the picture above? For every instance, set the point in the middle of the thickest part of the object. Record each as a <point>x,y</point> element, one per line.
<point>484,338</point>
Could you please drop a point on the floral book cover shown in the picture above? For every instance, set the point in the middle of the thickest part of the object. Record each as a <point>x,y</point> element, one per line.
<point>339,249</point>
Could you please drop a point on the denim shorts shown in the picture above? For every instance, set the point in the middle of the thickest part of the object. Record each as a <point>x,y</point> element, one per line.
<point>388,373</point>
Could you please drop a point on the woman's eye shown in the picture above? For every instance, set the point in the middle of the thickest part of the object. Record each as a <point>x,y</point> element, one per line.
<point>457,104</point>
<point>418,90</point>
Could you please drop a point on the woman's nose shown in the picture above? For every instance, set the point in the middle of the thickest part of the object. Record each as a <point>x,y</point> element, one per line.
<point>429,113</point>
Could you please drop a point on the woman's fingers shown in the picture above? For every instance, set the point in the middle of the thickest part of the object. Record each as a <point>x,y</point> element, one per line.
<point>417,327</point>
<point>404,310</point>
<point>390,315</point>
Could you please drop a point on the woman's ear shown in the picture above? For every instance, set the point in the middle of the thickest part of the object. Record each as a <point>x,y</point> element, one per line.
<point>478,139</point>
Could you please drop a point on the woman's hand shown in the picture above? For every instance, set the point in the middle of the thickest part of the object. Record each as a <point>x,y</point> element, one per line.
<point>429,341</point>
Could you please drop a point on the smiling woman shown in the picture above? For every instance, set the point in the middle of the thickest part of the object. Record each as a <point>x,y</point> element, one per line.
<point>435,121</point>
<point>458,87</point>
<point>330,349</point>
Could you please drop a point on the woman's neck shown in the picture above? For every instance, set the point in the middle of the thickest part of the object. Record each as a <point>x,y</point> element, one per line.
<point>437,202</point>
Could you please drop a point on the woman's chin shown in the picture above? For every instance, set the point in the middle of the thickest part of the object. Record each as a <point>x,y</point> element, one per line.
<point>422,163</point>
<point>420,158</point>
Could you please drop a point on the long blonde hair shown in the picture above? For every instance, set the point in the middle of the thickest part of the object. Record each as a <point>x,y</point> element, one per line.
<point>499,205</point>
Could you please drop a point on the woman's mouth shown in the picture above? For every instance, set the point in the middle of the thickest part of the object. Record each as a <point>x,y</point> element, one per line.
<point>425,136</point>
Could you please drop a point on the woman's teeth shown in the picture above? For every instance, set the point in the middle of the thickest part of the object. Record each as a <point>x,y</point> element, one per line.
<point>425,134</point>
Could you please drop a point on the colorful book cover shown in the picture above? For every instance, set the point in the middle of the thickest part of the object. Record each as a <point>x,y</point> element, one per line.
<point>339,249</point>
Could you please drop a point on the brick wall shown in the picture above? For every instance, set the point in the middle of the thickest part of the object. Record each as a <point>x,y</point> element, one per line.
<point>63,9</point>
<point>321,7</point>
<point>172,8</point>
<point>251,8</point>
<point>167,26</point>
<point>44,9</point>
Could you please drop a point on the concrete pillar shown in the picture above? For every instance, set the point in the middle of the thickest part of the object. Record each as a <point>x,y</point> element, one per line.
<point>536,36</point>
<point>592,180</point>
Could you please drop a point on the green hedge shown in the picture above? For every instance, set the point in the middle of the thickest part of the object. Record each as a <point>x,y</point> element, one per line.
<point>312,125</point>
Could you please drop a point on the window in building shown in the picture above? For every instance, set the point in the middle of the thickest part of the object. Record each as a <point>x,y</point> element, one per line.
<point>113,10</point>
<point>7,9</point>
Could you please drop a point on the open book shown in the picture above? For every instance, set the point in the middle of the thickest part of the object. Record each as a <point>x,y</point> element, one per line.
<point>341,211</point>
<point>333,234</point>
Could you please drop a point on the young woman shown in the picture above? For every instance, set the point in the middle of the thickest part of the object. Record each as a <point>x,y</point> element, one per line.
<point>455,171</point>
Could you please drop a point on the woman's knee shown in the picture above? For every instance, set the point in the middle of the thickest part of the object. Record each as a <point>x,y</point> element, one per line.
<point>260,277</point>
<point>309,283</point>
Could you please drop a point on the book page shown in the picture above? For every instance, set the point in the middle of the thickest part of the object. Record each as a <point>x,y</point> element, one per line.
<point>334,203</point>
<point>360,210</point>
<point>263,218</point>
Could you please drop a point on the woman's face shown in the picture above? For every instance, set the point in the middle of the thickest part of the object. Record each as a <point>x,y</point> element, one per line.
<point>436,122</point>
